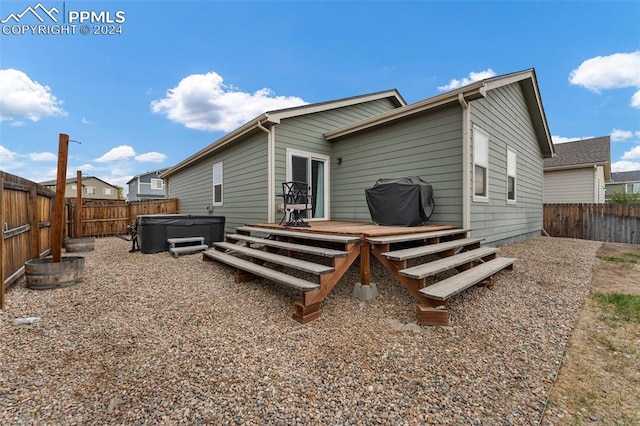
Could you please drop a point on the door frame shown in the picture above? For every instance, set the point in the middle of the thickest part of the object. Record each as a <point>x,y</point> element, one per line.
<point>318,157</point>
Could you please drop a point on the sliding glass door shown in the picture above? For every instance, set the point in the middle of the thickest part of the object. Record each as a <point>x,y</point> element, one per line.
<point>312,169</point>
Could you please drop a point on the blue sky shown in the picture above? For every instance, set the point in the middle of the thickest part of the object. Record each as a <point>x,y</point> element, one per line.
<point>176,76</point>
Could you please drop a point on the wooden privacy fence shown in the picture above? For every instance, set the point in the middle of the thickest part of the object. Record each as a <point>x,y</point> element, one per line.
<point>619,223</point>
<point>25,216</point>
<point>103,218</point>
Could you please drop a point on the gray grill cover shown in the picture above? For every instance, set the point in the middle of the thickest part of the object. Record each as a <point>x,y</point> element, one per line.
<point>405,201</point>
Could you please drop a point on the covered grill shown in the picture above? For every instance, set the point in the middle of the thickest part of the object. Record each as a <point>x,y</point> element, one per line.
<point>404,201</point>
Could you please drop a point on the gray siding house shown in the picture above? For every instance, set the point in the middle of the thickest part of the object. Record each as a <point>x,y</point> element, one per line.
<point>579,172</point>
<point>146,186</point>
<point>627,182</point>
<point>92,187</point>
<point>480,146</point>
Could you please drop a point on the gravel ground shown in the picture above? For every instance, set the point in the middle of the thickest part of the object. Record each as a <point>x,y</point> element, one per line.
<point>149,339</point>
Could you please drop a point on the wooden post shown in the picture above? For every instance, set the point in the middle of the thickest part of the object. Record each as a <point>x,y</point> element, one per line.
<point>79,204</point>
<point>2,255</point>
<point>58,208</point>
<point>34,222</point>
<point>365,262</point>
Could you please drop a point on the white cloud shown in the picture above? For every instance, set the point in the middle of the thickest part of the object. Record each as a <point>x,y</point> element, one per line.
<point>17,123</point>
<point>204,102</point>
<point>85,167</point>
<point>610,72</point>
<point>119,153</point>
<point>42,156</point>
<point>6,155</point>
<point>85,120</point>
<point>561,139</point>
<point>632,154</point>
<point>625,166</point>
<point>25,98</point>
<point>618,135</point>
<point>151,157</point>
<point>473,76</point>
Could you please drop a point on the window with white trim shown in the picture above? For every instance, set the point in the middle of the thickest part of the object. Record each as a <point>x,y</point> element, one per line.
<point>108,191</point>
<point>217,184</point>
<point>74,187</point>
<point>89,190</point>
<point>156,183</point>
<point>480,165</point>
<point>511,175</point>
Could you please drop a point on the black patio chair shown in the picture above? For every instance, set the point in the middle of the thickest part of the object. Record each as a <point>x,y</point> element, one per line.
<point>296,200</point>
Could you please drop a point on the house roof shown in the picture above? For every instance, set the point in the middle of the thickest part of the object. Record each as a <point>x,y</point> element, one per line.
<point>476,90</point>
<point>582,153</point>
<point>631,176</point>
<point>74,180</point>
<point>159,171</point>
<point>269,118</point>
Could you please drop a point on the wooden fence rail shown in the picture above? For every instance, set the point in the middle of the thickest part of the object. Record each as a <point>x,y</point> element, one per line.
<point>26,212</point>
<point>618,223</point>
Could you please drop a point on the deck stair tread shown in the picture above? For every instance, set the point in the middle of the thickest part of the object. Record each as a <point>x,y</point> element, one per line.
<point>290,262</point>
<point>300,248</point>
<point>400,238</point>
<point>429,249</point>
<point>174,241</point>
<point>303,235</point>
<point>262,271</point>
<point>187,249</point>
<point>442,290</point>
<point>446,263</point>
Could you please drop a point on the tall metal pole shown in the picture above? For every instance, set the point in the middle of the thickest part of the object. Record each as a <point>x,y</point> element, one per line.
<point>58,207</point>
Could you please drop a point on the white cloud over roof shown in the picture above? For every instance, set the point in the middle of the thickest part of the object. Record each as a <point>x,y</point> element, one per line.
<point>615,71</point>
<point>204,102</point>
<point>119,153</point>
<point>6,155</point>
<point>632,154</point>
<point>618,135</point>
<point>561,139</point>
<point>625,166</point>
<point>42,156</point>
<point>473,76</point>
<point>23,97</point>
<point>151,157</point>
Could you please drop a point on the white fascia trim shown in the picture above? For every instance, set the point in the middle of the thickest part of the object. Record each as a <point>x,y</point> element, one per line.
<point>271,171</point>
<point>466,160</point>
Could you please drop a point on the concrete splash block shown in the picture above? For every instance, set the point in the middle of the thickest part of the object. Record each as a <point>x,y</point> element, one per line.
<point>365,292</point>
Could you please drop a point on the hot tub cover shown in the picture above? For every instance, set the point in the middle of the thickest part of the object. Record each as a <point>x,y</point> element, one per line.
<point>403,201</point>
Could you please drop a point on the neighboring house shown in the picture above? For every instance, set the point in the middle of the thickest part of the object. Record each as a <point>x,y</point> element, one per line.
<point>146,186</point>
<point>481,147</point>
<point>628,182</point>
<point>578,172</point>
<point>92,187</point>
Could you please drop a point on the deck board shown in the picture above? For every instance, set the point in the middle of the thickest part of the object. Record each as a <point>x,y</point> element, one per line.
<point>366,229</point>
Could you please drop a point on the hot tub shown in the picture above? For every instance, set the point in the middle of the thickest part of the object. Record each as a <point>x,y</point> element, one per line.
<point>155,229</point>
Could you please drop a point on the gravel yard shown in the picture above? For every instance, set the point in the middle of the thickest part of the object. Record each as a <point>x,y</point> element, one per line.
<point>146,338</point>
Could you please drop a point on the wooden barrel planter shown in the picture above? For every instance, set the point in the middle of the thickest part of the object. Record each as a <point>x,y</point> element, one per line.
<point>76,245</point>
<point>44,274</point>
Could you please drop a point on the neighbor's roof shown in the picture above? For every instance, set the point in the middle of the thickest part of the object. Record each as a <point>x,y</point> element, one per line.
<point>631,176</point>
<point>582,153</point>
<point>157,172</point>
<point>74,180</point>
<point>476,90</point>
<point>273,117</point>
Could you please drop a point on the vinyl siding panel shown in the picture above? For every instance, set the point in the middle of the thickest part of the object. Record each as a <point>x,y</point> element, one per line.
<point>569,186</point>
<point>504,117</point>
<point>244,183</point>
<point>305,133</point>
<point>426,145</point>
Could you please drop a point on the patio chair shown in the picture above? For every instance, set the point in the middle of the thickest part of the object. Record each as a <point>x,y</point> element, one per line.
<point>296,200</point>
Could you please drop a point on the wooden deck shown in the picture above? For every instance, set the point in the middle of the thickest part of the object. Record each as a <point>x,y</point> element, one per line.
<point>364,229</point>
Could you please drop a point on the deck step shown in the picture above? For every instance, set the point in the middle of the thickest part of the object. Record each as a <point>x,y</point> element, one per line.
<point>414,252</point>
<point>300,248</point>
<point>444,264</point>
<point>444,289</point>
<point>176,251</point>
<point>262,271</point>
<point>290,262</point>
<point>174,241</point>
<point>302,234</point>
<point>391,239</point>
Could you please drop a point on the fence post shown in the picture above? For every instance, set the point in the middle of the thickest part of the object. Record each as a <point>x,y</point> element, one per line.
<point>2,256</point>
<point>34,222</point>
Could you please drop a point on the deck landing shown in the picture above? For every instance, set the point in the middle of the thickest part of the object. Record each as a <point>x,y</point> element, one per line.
<point>364,229</point>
